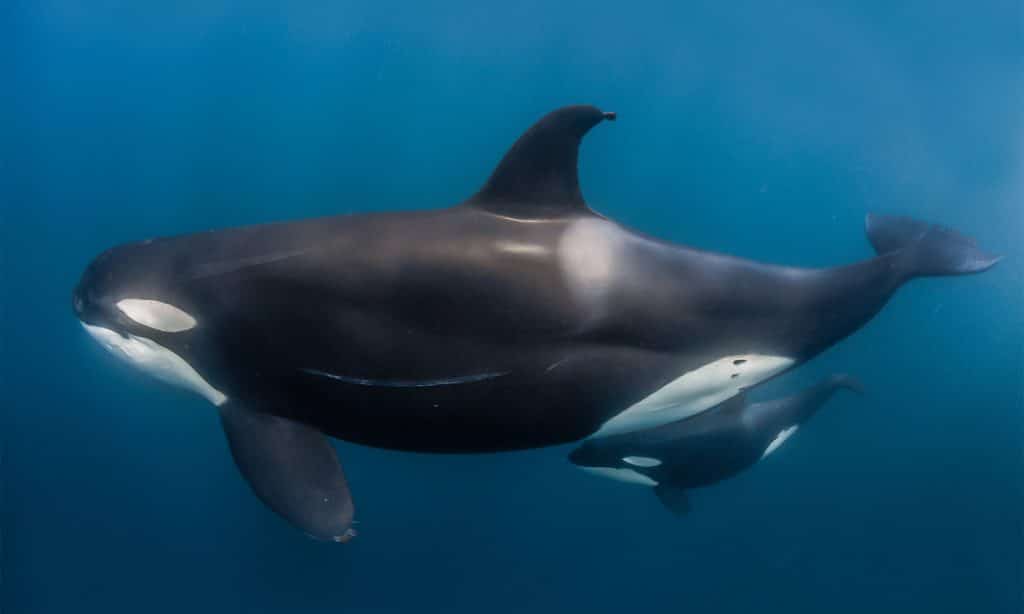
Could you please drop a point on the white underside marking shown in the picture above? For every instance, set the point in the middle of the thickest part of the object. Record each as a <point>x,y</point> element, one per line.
<point>622,475</point>
<point>407,383</point>
<point>695,391</point>
<point>150,357</point>
<point>780,439</point>
<point>156,315</point>
<point>641,461</point>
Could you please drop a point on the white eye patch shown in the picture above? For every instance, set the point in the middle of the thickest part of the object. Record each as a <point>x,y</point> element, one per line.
<point>156,315</point>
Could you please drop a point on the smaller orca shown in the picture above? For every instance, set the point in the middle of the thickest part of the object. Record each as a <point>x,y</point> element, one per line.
<point>706,448</point>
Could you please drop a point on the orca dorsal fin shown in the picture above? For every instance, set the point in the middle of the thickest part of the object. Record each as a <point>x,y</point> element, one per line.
<point>538,176</point>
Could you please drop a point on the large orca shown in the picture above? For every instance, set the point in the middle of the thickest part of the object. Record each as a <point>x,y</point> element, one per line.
<point>707,448</point>
<point>518,318</point>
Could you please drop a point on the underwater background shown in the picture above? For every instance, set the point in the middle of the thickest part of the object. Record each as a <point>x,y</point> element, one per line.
<point>763,129</point>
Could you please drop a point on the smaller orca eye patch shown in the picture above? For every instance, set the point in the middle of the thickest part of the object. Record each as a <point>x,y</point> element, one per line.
<point>156,315</point>
<point>641,461</point>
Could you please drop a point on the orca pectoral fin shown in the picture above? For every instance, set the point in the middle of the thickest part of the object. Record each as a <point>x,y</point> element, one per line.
<point>673,498</point>
<point>293,469</point>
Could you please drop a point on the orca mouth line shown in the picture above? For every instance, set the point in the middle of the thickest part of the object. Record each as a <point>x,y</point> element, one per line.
<point>400,383</point>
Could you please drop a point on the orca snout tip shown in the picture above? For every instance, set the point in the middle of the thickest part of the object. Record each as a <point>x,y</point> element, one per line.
<point>77,303</point>
<point>610,115</point>
<point>87,293</point>
<point>84,301</point>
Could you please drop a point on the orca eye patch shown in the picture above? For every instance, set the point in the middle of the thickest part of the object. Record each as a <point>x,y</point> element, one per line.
<point>156,315</point>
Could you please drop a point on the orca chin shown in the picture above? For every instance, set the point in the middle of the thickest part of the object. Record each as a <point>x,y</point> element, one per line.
<point>155,360</point>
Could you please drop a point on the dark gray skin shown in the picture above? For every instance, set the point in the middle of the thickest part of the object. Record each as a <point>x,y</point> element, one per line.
<point>485,326</point>
<point>710,447</point>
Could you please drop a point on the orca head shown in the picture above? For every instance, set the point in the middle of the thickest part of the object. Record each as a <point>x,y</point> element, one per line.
<point>123,289</point>
<point>615,462</point>
<point>123,303</point>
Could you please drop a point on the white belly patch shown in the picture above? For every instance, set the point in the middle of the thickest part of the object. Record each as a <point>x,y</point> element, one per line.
<point>695,391</point>
<point>622,475</point>
<point>780,439</point>
<point>150,357</point>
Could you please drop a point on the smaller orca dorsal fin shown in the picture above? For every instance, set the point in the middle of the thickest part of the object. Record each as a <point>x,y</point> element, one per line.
<point>735,403</point>
<point>674,498</point>
<point>538,175</point>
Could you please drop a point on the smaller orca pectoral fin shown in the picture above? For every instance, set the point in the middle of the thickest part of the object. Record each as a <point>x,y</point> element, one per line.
<point>673,498</point>
<point>293,469</point>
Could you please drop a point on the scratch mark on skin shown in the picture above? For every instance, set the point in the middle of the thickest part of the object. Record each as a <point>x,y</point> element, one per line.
<point>556,365</point>
<point>223,267</point>
<point>398,383</point>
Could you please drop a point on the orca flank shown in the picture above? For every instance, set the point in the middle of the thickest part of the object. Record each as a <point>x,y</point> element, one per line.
<point>515,319</point>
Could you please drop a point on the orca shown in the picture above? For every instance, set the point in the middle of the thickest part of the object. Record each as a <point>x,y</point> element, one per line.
<point>705,449</point>
<point>516,319</point>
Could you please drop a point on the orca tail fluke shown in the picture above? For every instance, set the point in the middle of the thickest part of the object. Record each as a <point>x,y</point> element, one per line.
<point>927,249</point>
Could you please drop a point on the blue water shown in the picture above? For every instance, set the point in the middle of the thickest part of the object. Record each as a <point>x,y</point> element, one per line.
<point>765,129</point>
